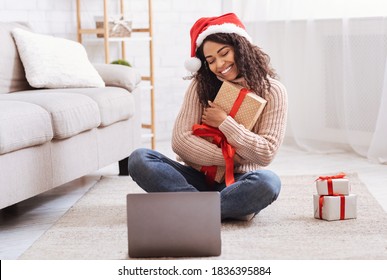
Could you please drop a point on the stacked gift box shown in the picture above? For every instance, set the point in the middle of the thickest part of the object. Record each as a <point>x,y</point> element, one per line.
<point>334,200</point>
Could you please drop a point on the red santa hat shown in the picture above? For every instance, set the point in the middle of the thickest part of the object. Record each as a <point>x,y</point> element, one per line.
<point>227,23</point>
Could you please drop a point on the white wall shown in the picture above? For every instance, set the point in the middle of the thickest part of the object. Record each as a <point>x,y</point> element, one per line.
<point>172,20</point>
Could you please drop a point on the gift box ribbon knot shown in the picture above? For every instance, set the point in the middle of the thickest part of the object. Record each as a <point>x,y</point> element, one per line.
<point>227,150</point>
<point>121,22</point>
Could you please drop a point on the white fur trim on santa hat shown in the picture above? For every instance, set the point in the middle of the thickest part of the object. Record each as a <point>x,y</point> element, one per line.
<point>193,64</point>
<point>222,28</point>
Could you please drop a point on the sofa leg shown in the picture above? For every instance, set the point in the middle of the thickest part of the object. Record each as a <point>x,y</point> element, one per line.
<point>123,167</point>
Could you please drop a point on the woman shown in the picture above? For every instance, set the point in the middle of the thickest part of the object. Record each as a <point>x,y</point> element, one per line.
<point>221,50</point>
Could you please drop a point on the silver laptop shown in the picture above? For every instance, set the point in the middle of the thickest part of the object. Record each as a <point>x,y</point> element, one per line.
<point>174,224</point>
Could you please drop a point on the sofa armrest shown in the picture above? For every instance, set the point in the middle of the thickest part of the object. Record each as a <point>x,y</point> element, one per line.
<point>116,75</point>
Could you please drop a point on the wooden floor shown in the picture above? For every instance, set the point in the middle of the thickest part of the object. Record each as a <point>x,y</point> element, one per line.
<point>21,225</point>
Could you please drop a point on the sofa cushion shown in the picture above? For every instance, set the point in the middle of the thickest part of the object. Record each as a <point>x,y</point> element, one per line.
<point>51,62</point>
<point>23,125</point>
<point>12,76</point>
<point>70,113</point>
<point>115,75</point>
<point>115,104</point>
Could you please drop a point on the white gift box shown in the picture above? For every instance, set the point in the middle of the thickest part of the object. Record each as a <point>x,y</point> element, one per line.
<point>339,186</point>
<point>335,207</point>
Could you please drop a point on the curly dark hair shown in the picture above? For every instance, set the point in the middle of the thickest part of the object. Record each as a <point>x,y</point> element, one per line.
<point>253,64</point>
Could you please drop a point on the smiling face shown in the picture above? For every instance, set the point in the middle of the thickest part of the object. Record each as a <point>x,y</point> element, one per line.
<point>220,59</point>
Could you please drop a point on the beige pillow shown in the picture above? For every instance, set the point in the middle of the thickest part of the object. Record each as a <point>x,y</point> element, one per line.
<point>51,62</point>
<point>116,75</point>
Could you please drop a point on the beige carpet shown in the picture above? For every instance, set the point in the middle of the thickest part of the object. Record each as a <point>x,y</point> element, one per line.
<point>95,228</point>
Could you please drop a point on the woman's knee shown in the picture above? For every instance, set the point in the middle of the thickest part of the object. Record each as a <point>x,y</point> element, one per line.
<point>137,158</point>
<point>273,183</point>
<point>267,183</point>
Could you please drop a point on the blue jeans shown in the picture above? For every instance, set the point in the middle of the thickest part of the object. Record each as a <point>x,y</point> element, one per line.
<point>251,192</point>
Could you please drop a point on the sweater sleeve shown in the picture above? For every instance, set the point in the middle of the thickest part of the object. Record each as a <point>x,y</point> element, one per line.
<point>191,148</point>
<point>260,145</point>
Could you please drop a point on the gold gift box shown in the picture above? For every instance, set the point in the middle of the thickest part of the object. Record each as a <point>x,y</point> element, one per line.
<point>119,26</point>
<point>250,109</point>
<point>247,115</point>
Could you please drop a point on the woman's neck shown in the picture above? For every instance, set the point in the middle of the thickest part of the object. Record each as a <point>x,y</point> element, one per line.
<point>239,80</point>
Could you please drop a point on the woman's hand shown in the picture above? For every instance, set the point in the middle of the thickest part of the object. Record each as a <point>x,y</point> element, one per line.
<point>213,115</point>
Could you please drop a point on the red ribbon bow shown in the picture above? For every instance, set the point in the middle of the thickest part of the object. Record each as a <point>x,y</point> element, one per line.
<point>337,176</point>
<point>228,152</point>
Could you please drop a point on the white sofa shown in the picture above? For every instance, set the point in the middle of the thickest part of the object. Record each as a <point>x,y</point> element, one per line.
<point>49,137</point>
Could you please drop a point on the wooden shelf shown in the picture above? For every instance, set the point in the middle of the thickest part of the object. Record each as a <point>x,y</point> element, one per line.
<point>107,39</point>
<point>118,39</point>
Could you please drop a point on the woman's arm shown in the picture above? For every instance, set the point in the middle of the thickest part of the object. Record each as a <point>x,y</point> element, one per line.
<point>189,147</point>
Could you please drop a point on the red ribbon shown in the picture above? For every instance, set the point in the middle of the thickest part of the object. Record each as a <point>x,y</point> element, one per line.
<point>238,102</point>
<point>329,181</point>
<point>337,176</point>
<point>228,152</point>
<point>342,206</point>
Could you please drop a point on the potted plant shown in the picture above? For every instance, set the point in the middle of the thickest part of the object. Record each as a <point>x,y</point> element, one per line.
<point>121,62</point>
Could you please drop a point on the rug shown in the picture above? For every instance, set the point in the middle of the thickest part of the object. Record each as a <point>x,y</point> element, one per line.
<point>95,227</point>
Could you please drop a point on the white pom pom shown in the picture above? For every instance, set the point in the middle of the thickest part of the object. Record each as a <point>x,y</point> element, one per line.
<point>193,64</point>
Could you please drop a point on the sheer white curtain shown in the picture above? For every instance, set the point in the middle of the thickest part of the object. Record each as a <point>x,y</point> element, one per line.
<point>332,57</point>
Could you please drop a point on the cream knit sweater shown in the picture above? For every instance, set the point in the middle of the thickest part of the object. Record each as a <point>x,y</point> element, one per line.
<point>257,148</point>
